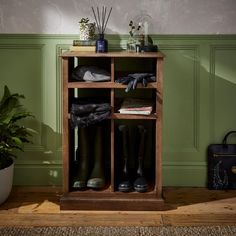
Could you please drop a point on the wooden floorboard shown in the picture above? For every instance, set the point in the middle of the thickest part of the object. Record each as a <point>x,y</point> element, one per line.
<point>39,206</point>
<point>198,219</point>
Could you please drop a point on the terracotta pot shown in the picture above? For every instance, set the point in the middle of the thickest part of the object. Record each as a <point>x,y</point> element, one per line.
<point>6,179</point>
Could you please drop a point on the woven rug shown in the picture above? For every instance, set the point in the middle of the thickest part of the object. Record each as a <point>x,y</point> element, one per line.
<point>120,231</point>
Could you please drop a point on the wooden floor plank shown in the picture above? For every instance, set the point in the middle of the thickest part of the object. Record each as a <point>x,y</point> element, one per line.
<point>198,219</point>
<point>39,206</point>
<point>78,219</point>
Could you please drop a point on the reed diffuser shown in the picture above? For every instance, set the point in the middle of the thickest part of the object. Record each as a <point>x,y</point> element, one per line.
<point>101,18</point>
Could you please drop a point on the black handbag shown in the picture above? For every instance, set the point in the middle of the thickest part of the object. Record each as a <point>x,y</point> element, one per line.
<point>222,165</point>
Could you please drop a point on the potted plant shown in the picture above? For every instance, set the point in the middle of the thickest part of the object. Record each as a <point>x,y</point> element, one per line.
<point>87,29</point>
<point>12,137</point>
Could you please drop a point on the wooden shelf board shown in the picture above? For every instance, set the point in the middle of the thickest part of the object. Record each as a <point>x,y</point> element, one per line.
<point>111,202</point>
<point>115,54</point>
<point>117,116</point>
<point>134,117</point>
<point>112,194</point>
<point>107,85</point>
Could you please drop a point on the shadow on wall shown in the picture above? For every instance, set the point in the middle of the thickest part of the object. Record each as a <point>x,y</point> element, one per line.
<point>221,92</point>
<point>40,163</point>
<point>26,66</point>
<point>199,108</point>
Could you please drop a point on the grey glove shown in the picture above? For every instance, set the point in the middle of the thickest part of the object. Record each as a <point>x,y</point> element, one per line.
<point>90,73</point>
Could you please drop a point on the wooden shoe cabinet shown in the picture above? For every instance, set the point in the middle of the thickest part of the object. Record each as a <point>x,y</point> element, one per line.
<point>117,63</point>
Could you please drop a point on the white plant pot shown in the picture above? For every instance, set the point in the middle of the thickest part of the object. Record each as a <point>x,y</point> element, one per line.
<point>87,31</point>
<point>6,179</point>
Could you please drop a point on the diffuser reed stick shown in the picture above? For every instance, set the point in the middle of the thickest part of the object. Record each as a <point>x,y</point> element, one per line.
<point>101,18</point>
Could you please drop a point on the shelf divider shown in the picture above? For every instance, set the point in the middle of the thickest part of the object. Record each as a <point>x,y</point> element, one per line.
<point>112,126</point>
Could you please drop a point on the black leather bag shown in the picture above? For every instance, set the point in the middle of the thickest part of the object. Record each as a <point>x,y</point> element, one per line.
<point>222,165</point>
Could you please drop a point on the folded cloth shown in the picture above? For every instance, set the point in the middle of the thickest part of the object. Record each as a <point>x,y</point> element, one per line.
<point>83,115</point>
<point>133,79</point>
<point>90,73</point>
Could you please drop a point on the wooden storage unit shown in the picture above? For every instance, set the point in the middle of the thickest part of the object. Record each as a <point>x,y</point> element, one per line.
<point>109,198</point>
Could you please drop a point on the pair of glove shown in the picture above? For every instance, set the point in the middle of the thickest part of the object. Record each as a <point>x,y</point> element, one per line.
<point>133,79</point>
<point>83,115</point>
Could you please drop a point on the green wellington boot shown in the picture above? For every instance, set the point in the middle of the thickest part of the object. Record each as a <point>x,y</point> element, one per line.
<point>140,184</point>
<point>82,155</point>
<point>97,179</point>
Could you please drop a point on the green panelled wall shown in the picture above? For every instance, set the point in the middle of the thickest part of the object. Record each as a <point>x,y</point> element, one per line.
<point>199,105</point>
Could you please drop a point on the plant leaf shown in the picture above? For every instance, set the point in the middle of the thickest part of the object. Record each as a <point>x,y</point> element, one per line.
<point>17,141</point>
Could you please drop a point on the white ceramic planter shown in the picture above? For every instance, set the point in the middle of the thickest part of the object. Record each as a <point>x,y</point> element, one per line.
<point>87,31</point>
<point>6,179</point>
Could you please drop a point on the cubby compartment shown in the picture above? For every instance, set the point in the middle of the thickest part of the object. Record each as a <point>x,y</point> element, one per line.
<point>89,95</point>
<point>90,161</point>
<point>134,154</point>
<point>89,67</point>
<point>138,98</point>
<point>125,66</point>
<point>87,144</point>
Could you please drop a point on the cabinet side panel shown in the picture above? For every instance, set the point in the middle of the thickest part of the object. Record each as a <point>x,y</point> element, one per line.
<point>159,102</point>
<point>112,125</point>
<point>65,144</point>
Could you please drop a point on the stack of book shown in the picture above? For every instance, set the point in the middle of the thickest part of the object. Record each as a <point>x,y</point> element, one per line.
<point>83,46</point>
<point>136,106</point>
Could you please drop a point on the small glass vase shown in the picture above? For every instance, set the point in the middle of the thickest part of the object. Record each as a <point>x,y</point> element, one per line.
<point>131,44</point>
<point>101,44</point>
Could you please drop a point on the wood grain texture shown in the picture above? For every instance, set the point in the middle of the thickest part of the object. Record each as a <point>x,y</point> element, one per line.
<point>159,122</point>
<point>108,199</point>
<point>106,85</point>
<point>39,206</point>
<point>115,54</point>
<point>65,139</point>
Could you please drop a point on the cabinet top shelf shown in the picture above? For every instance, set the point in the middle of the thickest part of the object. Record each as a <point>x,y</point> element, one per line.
<point>115,54</point>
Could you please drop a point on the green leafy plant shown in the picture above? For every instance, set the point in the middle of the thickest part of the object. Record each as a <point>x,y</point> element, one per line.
<point>84,22</point>
<point>87,29</point>
<point>12,134</point>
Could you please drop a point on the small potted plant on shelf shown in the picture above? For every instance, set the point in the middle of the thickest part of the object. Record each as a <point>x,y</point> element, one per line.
<point>12,137</point>
<point>134,36</point>
<point>87,29</point>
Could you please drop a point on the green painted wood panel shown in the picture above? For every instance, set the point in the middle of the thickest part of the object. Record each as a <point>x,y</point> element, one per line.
<point>199,105</point>
<point>223,87</point>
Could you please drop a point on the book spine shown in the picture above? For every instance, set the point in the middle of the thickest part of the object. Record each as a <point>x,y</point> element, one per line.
<point>83,48</point>
<point>84,42</point>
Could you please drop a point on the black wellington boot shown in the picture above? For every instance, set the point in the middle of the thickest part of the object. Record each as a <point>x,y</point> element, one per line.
<point>140,184</point>
<point>125,184</point>
<point>82,155</point>
<point>97,179</point>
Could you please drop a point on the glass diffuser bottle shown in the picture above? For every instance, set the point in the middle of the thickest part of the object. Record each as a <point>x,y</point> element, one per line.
<point>101,42</point>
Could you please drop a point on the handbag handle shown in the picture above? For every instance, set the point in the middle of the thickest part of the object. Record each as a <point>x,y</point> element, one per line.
<point>226,136</point>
